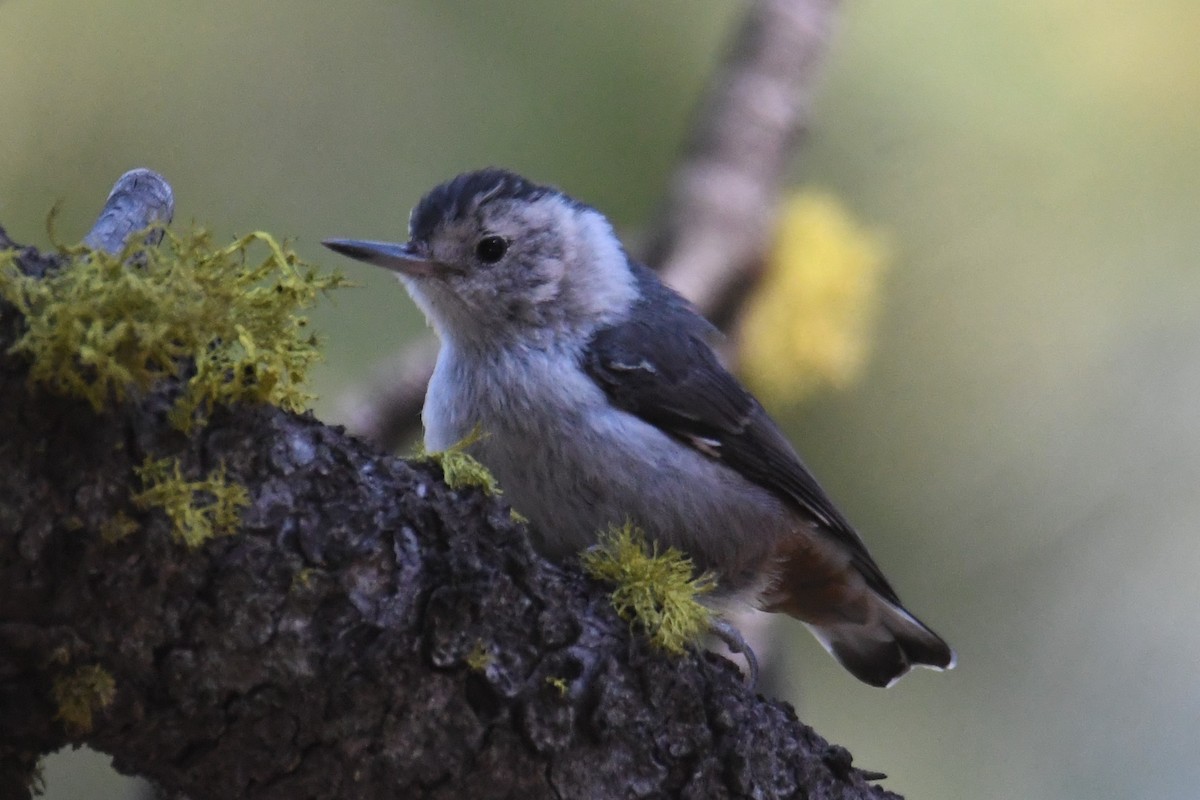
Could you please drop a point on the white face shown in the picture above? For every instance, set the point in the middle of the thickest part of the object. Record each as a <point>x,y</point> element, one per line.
<point>518,270</point>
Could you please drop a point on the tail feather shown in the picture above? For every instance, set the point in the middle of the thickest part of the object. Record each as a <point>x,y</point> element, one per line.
<point>885,647</point>
<point>828,581</point>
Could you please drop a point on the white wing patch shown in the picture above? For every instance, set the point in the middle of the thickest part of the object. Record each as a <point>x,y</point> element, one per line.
<point>710,447</point>
<point>642,366</point>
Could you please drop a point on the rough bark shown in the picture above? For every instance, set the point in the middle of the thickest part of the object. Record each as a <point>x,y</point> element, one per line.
<point>368,632</point>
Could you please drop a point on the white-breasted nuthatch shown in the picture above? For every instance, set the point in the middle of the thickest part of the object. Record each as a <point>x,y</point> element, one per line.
<point>602,401</point>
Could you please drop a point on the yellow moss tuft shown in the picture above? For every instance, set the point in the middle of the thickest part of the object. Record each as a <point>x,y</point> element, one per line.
<point>117,528</point>
<point>657,590</point>
<point>460,469</point>
<point>480,658</point>
<point>558,683</point>
<point>198,510</point>
<point>81,694</point>
<point>104,326</point>
<point>808,324</point>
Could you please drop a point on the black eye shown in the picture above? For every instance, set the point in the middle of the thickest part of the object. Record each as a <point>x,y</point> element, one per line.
<point>491,249</point>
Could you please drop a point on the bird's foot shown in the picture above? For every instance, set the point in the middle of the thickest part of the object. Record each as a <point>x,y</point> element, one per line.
<point>732,638</point>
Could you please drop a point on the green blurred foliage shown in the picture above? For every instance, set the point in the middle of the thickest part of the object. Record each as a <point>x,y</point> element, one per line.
<point>1023,449</point>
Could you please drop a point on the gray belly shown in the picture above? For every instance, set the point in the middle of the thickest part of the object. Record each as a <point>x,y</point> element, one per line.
<point>575,466</point>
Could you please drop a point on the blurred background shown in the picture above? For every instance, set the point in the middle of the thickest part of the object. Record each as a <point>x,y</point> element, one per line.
<point>1022,446</point>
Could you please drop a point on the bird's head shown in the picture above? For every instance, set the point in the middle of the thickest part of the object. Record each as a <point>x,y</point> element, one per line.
<point>495,260</point>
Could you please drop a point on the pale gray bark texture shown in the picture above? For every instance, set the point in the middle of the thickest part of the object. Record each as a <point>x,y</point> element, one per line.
<point>367,633</point>
<point>721,206</point>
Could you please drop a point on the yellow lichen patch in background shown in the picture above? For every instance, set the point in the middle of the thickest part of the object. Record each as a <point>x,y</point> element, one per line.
<point>808,324</point>
<point>103,326</point>
<point>81,694</point>
<point>198,510</point>
<point>460,469</point>
<point>655,589</point>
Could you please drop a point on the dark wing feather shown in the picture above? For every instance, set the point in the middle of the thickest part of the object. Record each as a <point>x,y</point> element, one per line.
<point>658,366</point>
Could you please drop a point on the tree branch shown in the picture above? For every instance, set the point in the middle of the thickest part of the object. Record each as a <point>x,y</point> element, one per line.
<point>139,198</point>
<point>722,203</point>
<point>368,632</point>
<point>719,211</point>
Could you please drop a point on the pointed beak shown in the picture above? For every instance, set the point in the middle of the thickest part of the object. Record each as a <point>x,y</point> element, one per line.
<point>401,258</point>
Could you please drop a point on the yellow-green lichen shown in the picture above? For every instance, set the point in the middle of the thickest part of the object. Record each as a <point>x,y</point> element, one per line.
<point>460,469</point>
<point>655,589</point>
<point>117,528</point>
<point>480,658</point>
<point>198,510</point>
<point>104,325</point>
<point>81,694</point>
<point>303,579</point>
<point>558,683</point>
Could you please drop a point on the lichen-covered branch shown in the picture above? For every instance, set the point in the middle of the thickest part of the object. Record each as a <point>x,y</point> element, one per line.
<point>365,632</point>
<point>720,208</point>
